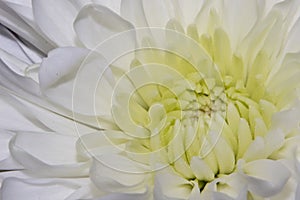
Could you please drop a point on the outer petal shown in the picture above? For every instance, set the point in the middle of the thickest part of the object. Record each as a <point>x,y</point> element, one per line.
<point>117,174</point>
<point>11,20</point>
<point>17,117</point>
<point>6,160</point>
<point>157,12</point>
<point>261,179</point>
<point>55,19</point>
<point>118,196</point>
<point>14,46</point>
<point>133,11</point>
<point>34,189</point>
<point>240,17</point>
<point>112,4</point>
<point>24,94</point>
<point>24,9</point>
<point>96,23</point>
<point>36,153</point>
<point>169,186</point>
<point>293,38</point>
<point>64,81</point>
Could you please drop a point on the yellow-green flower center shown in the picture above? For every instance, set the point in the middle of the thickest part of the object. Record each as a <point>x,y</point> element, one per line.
<point>191,104</point>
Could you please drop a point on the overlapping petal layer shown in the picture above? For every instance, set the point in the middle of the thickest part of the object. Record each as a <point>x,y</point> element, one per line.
<point>149,99</point>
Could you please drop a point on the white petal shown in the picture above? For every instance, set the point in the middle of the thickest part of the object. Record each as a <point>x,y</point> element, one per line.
<point>28,93</point>
<point>6,160</point>
<point>288,148</point>
<point>297,195</point>
<point>47,154</point>
<point>52,120</point>
<point>55,19</point>
<point>113,173</point>
<point>261,177</point>
<point>10,19</point>
<point>15,47</point>
<point>224,153</point>
<point>99,143</point>
<point>55,72</point>
<point>189,9</point>
<point>13,174</point>
<point>67,73</point>
<point>201,170</point>
<point>17,117</point>
<point>219,196</point>
<point>289,192</point>
<point>94,24</point>
<point>269,5</point>
<point>117,196</point>
<point>112,4</point>
<point>293,38</point>
<point>41,145</point>
<point>35,189</point>
<point>256,150</point>
<point>132,10</point>
<point>195,193</point>
<point>240,17</point>
<point>87,191</point>
<point>287,120</point>
<point>23,8</point>
<point>169,186</point>
<point>14,84</point>
<point>157,12</point>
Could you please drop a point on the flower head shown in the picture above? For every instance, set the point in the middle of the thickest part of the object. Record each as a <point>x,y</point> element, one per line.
<point>154,100</point>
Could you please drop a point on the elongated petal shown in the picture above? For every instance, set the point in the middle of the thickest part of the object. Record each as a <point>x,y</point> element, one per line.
<point>36,153</point>
<point>261,179</point>
<point>117,174</point>
<point>161,10</point>
<point>34,189</point>
<point>23,8</point>
<point>64,80</point>
<point>94,24</point>
<point>9,19</point>
<point>169,186</point>
<point>133,11</point>
<point>55,19</point>
<point>15,47</point>
<point>240,17</point>
<point>6,160</point>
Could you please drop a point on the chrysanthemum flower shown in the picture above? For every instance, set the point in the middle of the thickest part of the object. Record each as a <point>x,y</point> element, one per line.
<point>149,99</point>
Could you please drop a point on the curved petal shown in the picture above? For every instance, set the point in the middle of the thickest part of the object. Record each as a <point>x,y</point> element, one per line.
<point>132,10</point>
<point>114,5</point>
<point>17,117</point>
<point>20,91</point>
<point>118,196</point>
<point>96,23</point>
<point>117,174</point>
<point>293,38</point>
<point>240,17</point>
<point>36,152</point>
<point>16,48</point>
<point>169,186</point>
<point>6,160</point>
<point>11,20</point>
<point>195,193</point>
<point>34,189</point>
<point>157,12</point>
<point>261,179</point>
<point>55,19</point>
<point>24,9</point>
<point>67,72</point>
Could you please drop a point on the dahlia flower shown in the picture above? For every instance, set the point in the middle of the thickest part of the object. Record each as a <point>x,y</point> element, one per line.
<point>137,99</point>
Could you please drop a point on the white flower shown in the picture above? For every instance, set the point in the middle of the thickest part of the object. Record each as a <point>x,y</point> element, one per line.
<point>149,99</point>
